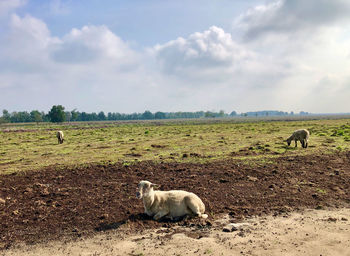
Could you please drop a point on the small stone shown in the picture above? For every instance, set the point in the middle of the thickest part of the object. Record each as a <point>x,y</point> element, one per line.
<point>344,219</point>
<point>234,227</point>
<point>28,190</point>
<point>2,201</point>
<point>332,219</point>
<point>44,192</point>
<point>250,178</point>
<point>229,228</point>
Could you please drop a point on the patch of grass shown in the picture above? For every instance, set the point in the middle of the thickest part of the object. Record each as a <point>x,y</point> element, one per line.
<point>321,191</point>
<point>138,254</point>
<point>208,251</point>
<point>120,142</point>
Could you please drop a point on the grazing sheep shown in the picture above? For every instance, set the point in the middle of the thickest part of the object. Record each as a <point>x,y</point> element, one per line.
<point>301,135</point>
<point>60,137</point>
<point>172,204</point>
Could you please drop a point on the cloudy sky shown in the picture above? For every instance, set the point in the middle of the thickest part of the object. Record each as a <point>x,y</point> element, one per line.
<point>165,55</point>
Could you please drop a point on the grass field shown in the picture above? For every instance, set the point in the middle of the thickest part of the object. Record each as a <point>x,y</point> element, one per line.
<point>34,146</point>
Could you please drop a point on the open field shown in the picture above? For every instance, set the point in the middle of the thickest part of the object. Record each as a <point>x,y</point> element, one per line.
<point>85,188</point>
<point>30,147</point>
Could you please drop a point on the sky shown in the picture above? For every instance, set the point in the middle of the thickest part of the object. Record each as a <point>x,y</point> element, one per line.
<point>165,55</point>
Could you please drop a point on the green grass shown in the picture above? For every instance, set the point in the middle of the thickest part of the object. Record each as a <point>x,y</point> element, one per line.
<point>184,141</point>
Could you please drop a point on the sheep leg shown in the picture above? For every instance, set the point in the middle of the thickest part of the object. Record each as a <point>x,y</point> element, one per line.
<point>193,206</point>
<point>295,143</point>
<point>160,214</point>
<point>302,143</point>
<point>306,144</point>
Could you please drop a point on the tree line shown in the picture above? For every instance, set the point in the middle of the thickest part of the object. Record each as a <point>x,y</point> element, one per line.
<point>58,114</point>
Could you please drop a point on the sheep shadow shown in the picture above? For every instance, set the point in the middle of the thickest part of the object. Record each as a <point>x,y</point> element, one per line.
<point>136,218</point>
<point>109,226</point>
<point>145,217</point>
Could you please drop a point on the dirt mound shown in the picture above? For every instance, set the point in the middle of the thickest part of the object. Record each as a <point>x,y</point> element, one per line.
<point>55,203</point>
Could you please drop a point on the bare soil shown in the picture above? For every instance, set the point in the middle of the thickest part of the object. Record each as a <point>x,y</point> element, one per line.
<point>61,203</point>
<point>304,233</point>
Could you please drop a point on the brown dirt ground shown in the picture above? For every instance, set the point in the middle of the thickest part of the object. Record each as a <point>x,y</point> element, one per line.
<point>58,203</point>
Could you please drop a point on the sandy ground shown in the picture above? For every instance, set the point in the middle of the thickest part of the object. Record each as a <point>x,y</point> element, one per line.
<point>311,232</point>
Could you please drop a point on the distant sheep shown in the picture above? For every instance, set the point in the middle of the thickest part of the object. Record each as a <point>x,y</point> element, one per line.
<point>301,135</point>
<point>172,204</point>
<point>60,137</point>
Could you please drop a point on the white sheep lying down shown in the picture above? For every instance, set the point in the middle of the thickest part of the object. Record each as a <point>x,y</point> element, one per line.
<point>172,204</point>
<point>301,135</point>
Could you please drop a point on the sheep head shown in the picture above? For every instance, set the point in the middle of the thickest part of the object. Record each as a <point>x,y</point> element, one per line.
<point>144,188</point>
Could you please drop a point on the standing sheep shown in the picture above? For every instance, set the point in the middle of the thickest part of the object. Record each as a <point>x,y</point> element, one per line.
<point>301,135</point>
<point>60,137</point>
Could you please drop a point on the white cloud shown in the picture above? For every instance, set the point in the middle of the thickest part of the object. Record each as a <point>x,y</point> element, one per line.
<point>26,45</point>
<point>214,57</point>
<point>293,55</point>
<point>292,16</point>
<point>211,50</point>
<point>87,65</point>
<point>92,43</point>
<point>7,6</point>
<point>58,7</point>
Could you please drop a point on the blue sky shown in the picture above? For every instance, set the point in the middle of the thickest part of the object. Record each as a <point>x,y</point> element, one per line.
<point>129,56</point>
<point>144,22</point>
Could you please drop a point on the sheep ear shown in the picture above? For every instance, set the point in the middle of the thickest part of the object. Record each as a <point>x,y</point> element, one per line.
<point>153,185</point>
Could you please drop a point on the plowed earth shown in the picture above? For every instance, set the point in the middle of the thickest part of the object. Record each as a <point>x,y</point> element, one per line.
<point>58,203</point>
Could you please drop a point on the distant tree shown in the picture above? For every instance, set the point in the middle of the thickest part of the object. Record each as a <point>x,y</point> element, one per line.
<point>68,116</point>
<point>147,115</point>
<point>20,117</point>
<point>6,116</point>
<point>36,116</point>
<point>101,116</point>
<point>221,113</point>
<point>233,113</point>
<point>93,116</point>
<point>135,116</point>
<point>159,115</point>
<point>210,114</point>
<point>74,115</point>
<point>83,116</point>
<point>45,117</point>
<point>57,114</point>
